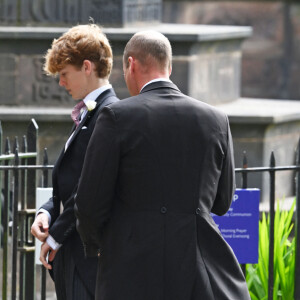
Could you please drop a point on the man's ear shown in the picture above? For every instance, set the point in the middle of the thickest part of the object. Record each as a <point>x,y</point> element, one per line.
<point>170,70</point>
<point>131,64</point>
<point>87,66</point>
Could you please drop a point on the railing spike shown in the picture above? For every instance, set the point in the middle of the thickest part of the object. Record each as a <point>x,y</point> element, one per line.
<point>45,171</point>
<point>244,175</point>
<point>24,144</point>
<point>7,146</point>
<point>16,157</point>
<point>16,144</point>
<point>272,159</point>
<point>45,159</point>
<point>298,153</point>
<point>32,135</point>
<point>245,161</point>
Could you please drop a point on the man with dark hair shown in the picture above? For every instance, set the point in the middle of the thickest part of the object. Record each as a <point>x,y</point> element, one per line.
<point>145,195</point>
<point>82,57</point>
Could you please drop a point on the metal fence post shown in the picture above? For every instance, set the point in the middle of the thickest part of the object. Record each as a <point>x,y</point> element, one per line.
<point>6,205</point>
<point>271,233</point>
<point>15,198</point>
<point>1,136</point>
<point>297,230</point>
<point>244,186</point>
<point>43,269</point>
<point>30,269</point>
<point>22,220</point>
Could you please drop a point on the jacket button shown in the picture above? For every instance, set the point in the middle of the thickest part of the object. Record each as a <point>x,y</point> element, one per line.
<point>198,210</point>
<point>163,210</point>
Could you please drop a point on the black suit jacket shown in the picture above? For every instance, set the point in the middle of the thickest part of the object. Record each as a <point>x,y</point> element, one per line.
<point>65,177</point>
<point>157,165</point>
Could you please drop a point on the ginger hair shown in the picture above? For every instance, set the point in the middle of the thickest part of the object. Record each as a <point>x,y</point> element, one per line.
<point>82,42</point>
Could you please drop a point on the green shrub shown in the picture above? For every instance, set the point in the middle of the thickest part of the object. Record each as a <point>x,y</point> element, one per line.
<point>284,259</point>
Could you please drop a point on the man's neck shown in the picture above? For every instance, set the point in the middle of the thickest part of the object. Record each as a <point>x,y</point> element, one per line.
<point>155,76</point>
<point>101,82</point>
<point>155,80</point>
<point>96,83</point>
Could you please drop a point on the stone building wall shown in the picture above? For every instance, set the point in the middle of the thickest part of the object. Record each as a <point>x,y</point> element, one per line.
<point>271,57</point>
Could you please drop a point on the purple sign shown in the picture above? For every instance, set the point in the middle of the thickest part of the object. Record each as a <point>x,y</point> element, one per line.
<point>239,226</point>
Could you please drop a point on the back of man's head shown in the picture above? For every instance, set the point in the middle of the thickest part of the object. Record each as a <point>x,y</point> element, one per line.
<point>151,48</point>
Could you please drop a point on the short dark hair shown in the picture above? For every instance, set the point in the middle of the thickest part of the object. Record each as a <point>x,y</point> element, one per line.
<point>149,44</point>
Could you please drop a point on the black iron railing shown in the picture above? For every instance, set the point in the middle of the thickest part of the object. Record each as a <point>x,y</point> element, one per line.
<point>18,182</point>
<point>272,170</point>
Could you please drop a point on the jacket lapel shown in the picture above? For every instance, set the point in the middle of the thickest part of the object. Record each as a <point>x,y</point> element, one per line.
<point>101,101</point>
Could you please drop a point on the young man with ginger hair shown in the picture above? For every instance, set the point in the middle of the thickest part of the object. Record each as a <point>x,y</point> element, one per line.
<point>82,58</point>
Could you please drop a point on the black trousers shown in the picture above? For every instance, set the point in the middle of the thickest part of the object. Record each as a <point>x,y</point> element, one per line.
<point>68,284</point>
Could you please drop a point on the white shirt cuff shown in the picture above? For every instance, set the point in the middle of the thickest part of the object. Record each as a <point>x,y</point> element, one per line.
<point>41,210</point>
<point>52,243</point>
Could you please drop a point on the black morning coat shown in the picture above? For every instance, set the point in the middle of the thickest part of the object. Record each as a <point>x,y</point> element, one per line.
<point>65,179</point>
<point>156,166</point>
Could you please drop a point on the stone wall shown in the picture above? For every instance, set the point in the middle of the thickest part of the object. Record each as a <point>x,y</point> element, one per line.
<point>271,57</point>
<point>210,52</point>
<point>63,12</point>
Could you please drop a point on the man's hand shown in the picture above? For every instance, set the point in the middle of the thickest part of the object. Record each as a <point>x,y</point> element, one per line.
<point>40,227</point>
<point>45,249</point>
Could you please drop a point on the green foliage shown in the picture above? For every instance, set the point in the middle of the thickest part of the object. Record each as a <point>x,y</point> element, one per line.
<point>284,259</point>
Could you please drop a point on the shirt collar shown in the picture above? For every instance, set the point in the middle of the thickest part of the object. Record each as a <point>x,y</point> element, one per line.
<point>96,93</point>
<point>155,80</point>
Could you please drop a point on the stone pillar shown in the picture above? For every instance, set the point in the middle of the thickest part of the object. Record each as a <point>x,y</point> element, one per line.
<point>260,126</point>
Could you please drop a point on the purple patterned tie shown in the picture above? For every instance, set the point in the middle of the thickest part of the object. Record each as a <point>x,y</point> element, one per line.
<point>76,112</point>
